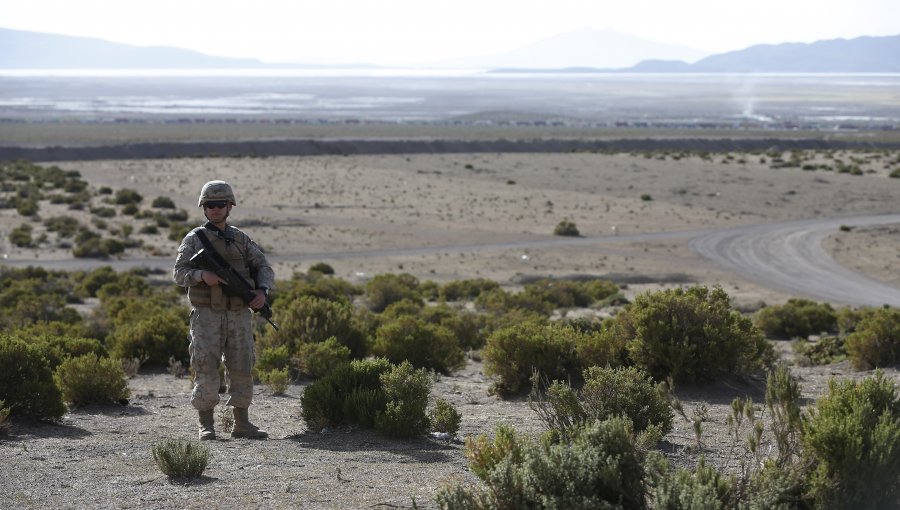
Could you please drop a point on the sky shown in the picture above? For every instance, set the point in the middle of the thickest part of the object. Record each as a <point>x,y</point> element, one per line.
<point>415,32</point>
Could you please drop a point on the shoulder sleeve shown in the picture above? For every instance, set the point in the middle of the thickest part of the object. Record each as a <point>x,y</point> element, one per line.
<point>184,274</point>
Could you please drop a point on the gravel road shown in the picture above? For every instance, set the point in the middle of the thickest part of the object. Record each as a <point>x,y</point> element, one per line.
<point>789,256</point>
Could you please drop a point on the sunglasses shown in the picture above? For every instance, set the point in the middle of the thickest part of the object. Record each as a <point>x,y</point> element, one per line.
<point>216,204</point>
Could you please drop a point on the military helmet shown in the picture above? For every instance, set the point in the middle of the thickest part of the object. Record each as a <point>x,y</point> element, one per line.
<point>216,190</point>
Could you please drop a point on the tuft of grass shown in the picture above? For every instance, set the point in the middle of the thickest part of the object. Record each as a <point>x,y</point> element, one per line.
<point>179,458</point>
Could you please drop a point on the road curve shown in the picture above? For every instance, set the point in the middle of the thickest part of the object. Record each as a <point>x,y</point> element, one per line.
<point>789,256</point>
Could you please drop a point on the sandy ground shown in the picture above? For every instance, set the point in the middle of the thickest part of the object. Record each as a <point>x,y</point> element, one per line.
<point>447,217</point>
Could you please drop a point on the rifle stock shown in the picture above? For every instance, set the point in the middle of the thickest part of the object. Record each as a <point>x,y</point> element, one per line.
<point>235,284</point>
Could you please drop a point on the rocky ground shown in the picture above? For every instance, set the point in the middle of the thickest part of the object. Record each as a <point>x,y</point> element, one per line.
<point>437,210</point>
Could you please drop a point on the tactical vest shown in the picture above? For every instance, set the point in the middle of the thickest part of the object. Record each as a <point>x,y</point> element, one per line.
<point>233,253</point>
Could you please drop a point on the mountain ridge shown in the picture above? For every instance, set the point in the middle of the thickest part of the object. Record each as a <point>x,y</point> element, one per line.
<point>865,54</point>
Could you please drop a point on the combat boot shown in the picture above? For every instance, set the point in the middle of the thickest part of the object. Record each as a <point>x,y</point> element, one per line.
<point>206,424</point>
<point>243,427</point>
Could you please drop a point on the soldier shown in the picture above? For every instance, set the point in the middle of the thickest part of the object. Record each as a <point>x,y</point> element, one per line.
<point>222,324</point>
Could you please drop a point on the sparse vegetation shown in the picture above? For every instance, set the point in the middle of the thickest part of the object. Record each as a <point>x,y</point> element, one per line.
<point>566,228</point>
<point>178,458</point>
<point>89,379</point>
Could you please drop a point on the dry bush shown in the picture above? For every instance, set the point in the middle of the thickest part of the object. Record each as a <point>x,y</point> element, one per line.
<point>178,458</point>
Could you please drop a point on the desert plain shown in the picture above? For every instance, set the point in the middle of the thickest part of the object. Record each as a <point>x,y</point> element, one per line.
<point>439,217</point>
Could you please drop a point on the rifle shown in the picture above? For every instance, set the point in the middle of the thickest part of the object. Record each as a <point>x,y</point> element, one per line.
<point>235,284</point>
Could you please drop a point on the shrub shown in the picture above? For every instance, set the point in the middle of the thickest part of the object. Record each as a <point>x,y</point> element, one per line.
<point>458,290</point>
<point>853,440</point>
<point>514,353</point>
<point>127,196</point>
<point>26,381</point>
<point>566,228</point>
<point>276,380</point>
<point>179,458</point>
<point>88,379</point>
<point>321,267</point>
<point>163,203</point>
<point>64,226</point>
<point>444,417</point>
<point>424,345</point>
<point>484,454</point>
<point>895,173</point>
<point>4,416</point>
<point>145,330</point>
<point>406,390</point>
<point>468,328</point>
<point>57,348</point>
<point>876,341</point>
<point>646,197</point>
<point>385,289</point>
<point>21,236</point>
<point>703,488</point>
<point>273,358</point>
<point>690,335</point>
<point>829,349</point>
<point>607,393</point>
<point>600,468</point>
<point>308,320</point>
<point>370,393</point>
<point>319,359</point>
<point>103,212</point>
<point>798,318</point>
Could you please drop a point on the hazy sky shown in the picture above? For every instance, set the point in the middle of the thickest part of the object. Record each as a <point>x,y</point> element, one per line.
<point>400,32</point>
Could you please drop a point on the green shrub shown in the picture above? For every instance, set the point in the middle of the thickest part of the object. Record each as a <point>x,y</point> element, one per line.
<point>557,294</point>
<point>163,203</point>
<point>566,228</point>
<point>179,458</point>
<point>385,289</point>
<point>26,381</point>
<point>370,393</point>
<point>276,380</point>
<point>424,345</point>
<point>895,173</point>
<point>406,390</point>
<point>64,226</point>
<point>600,468</point>
<point>319,359</point>
<point>484,454</point>
<point>103,212</point>
<point>4,417</point>
<point>316,285</point>
<point>468,328</point>
<point>127,196</point>
<point>145,330</point>
<point>149,230</point>
<point>88,379</point>
<point>27,207</point>
<point>444,417</point>
<point>459,290</point>
<point>321,267</point>
<point>514,353</point>
<point>622,392</point>
<point>853,442</point>
<point>57,348</point>
<point>876,341</point>
<point>798,318</point>
<point>308,320</point>
<point>273,358</point>
<point>21,236</point>
<point>690,335</point>
<point>646,197</point>
<point>701,489</point>
<point>829,349</point>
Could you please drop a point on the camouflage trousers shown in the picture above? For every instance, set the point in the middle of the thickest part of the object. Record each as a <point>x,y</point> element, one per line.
<point>218,335</point>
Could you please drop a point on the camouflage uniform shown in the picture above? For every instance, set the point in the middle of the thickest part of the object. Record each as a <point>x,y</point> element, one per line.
<point>221,324</point>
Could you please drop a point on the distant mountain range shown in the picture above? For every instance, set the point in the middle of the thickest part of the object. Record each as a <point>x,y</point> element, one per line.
<point>582,48</point>
<point>859,55</point>
<point>580,51</point>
